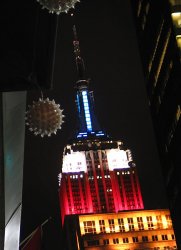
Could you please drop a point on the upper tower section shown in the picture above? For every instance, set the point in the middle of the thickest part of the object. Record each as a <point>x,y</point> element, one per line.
<point>88,126</point>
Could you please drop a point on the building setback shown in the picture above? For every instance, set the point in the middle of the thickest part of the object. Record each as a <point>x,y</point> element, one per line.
<point>145,229</point>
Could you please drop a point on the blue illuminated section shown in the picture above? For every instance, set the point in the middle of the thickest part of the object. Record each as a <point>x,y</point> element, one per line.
<point>87,111</point>
<point>78,104</point>
<point>88,126</point>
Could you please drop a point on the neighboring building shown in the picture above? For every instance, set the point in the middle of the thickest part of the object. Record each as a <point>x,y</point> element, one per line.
<point>25,64</point>
<point>160,48</point>
<point>144,229</point>
<point>98,181</point>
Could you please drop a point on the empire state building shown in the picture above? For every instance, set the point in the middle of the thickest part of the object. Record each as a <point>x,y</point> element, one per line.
<point>100,195</point>
<point>98,173</point>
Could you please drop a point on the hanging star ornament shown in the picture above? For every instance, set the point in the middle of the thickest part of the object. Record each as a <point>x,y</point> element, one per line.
<point>44,117</point>
<point>58,6</point>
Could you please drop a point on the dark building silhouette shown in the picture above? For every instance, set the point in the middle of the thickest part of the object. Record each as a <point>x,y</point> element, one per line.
<point>27,46</point>
<point>158,25</point>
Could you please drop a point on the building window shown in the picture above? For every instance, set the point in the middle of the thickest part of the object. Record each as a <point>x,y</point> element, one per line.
<point>144,238</point>
<point>156,248</point>
<point>130,224</point>
<point>173,237</point>
<point>116,241</point>
<point>106,242</point>
<point>162,57</point>
<point>147,8</point>
<point>143,22</point>
<point>102,226</point>
<point>178,113</point>
<point>140,223</point>
<point>164,237</point>
<point>139,8</point>
<point>169,221</point>
<point>135,239</point>
<point>111,225</point>
<point>93,242</point>
<point>89,227</point>
<point>125,240</point>
<point>121,225</point>
<point>154,237</point>
<point>149,222</point>
<point>159,222</point>
<point>178,37</point>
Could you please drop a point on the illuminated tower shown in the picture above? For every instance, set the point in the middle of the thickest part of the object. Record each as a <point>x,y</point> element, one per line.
<point>98,173</point>
<point>100,197</point>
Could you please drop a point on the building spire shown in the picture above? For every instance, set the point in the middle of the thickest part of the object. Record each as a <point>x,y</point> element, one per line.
<point>79,61</point>
<point>88,125</point>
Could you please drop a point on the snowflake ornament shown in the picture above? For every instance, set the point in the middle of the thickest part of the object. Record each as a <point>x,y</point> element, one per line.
<point>44,117</point>
<point>58,6</point>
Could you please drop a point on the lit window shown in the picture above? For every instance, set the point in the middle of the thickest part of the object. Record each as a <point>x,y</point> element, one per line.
<point>154,237</point>
<point>121,225</point>
<point>169,221</point>
<point>159,222</point>
<point>116,241</point>
<point>165,46</point>
<point>125,240</point>
<point>164,237</point>
<point>143,22</point>
<point>176,17</point>
<point>147,7</point>
<point>111,225</point>
<point>156,46</point>
<point>102,226</point>
<point>149,222</point>
<point>135,239</point>
<point>140,223</point>
<point>178,113</point>
<point>175,2</point>
<point>178,37</point>
<point>130,224</point>
<point>139,7</point>
<point>89,227</point>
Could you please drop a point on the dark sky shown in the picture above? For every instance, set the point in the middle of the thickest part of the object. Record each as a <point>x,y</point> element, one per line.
<point>109,48</point>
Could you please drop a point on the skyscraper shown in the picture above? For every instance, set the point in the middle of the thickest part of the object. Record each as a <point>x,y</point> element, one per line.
<point>98,173</point>
<point>98,182</point>
<point>158,27</point>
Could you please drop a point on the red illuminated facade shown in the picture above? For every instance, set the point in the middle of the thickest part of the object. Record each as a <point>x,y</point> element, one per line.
<point>101,178</point>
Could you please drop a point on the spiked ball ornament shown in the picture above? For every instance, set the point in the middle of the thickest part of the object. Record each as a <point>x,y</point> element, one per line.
<point>44,117</point>
<point>58,6</point>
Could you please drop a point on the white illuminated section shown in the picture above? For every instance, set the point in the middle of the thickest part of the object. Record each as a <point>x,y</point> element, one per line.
<point>74,162</point>
<point>117,159</point>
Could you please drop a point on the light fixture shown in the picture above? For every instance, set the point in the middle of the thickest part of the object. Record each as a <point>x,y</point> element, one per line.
<point>44,117</point>
<point>58,6</point>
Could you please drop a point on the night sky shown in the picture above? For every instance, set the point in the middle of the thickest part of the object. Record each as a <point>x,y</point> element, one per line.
<point>109,48</point>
